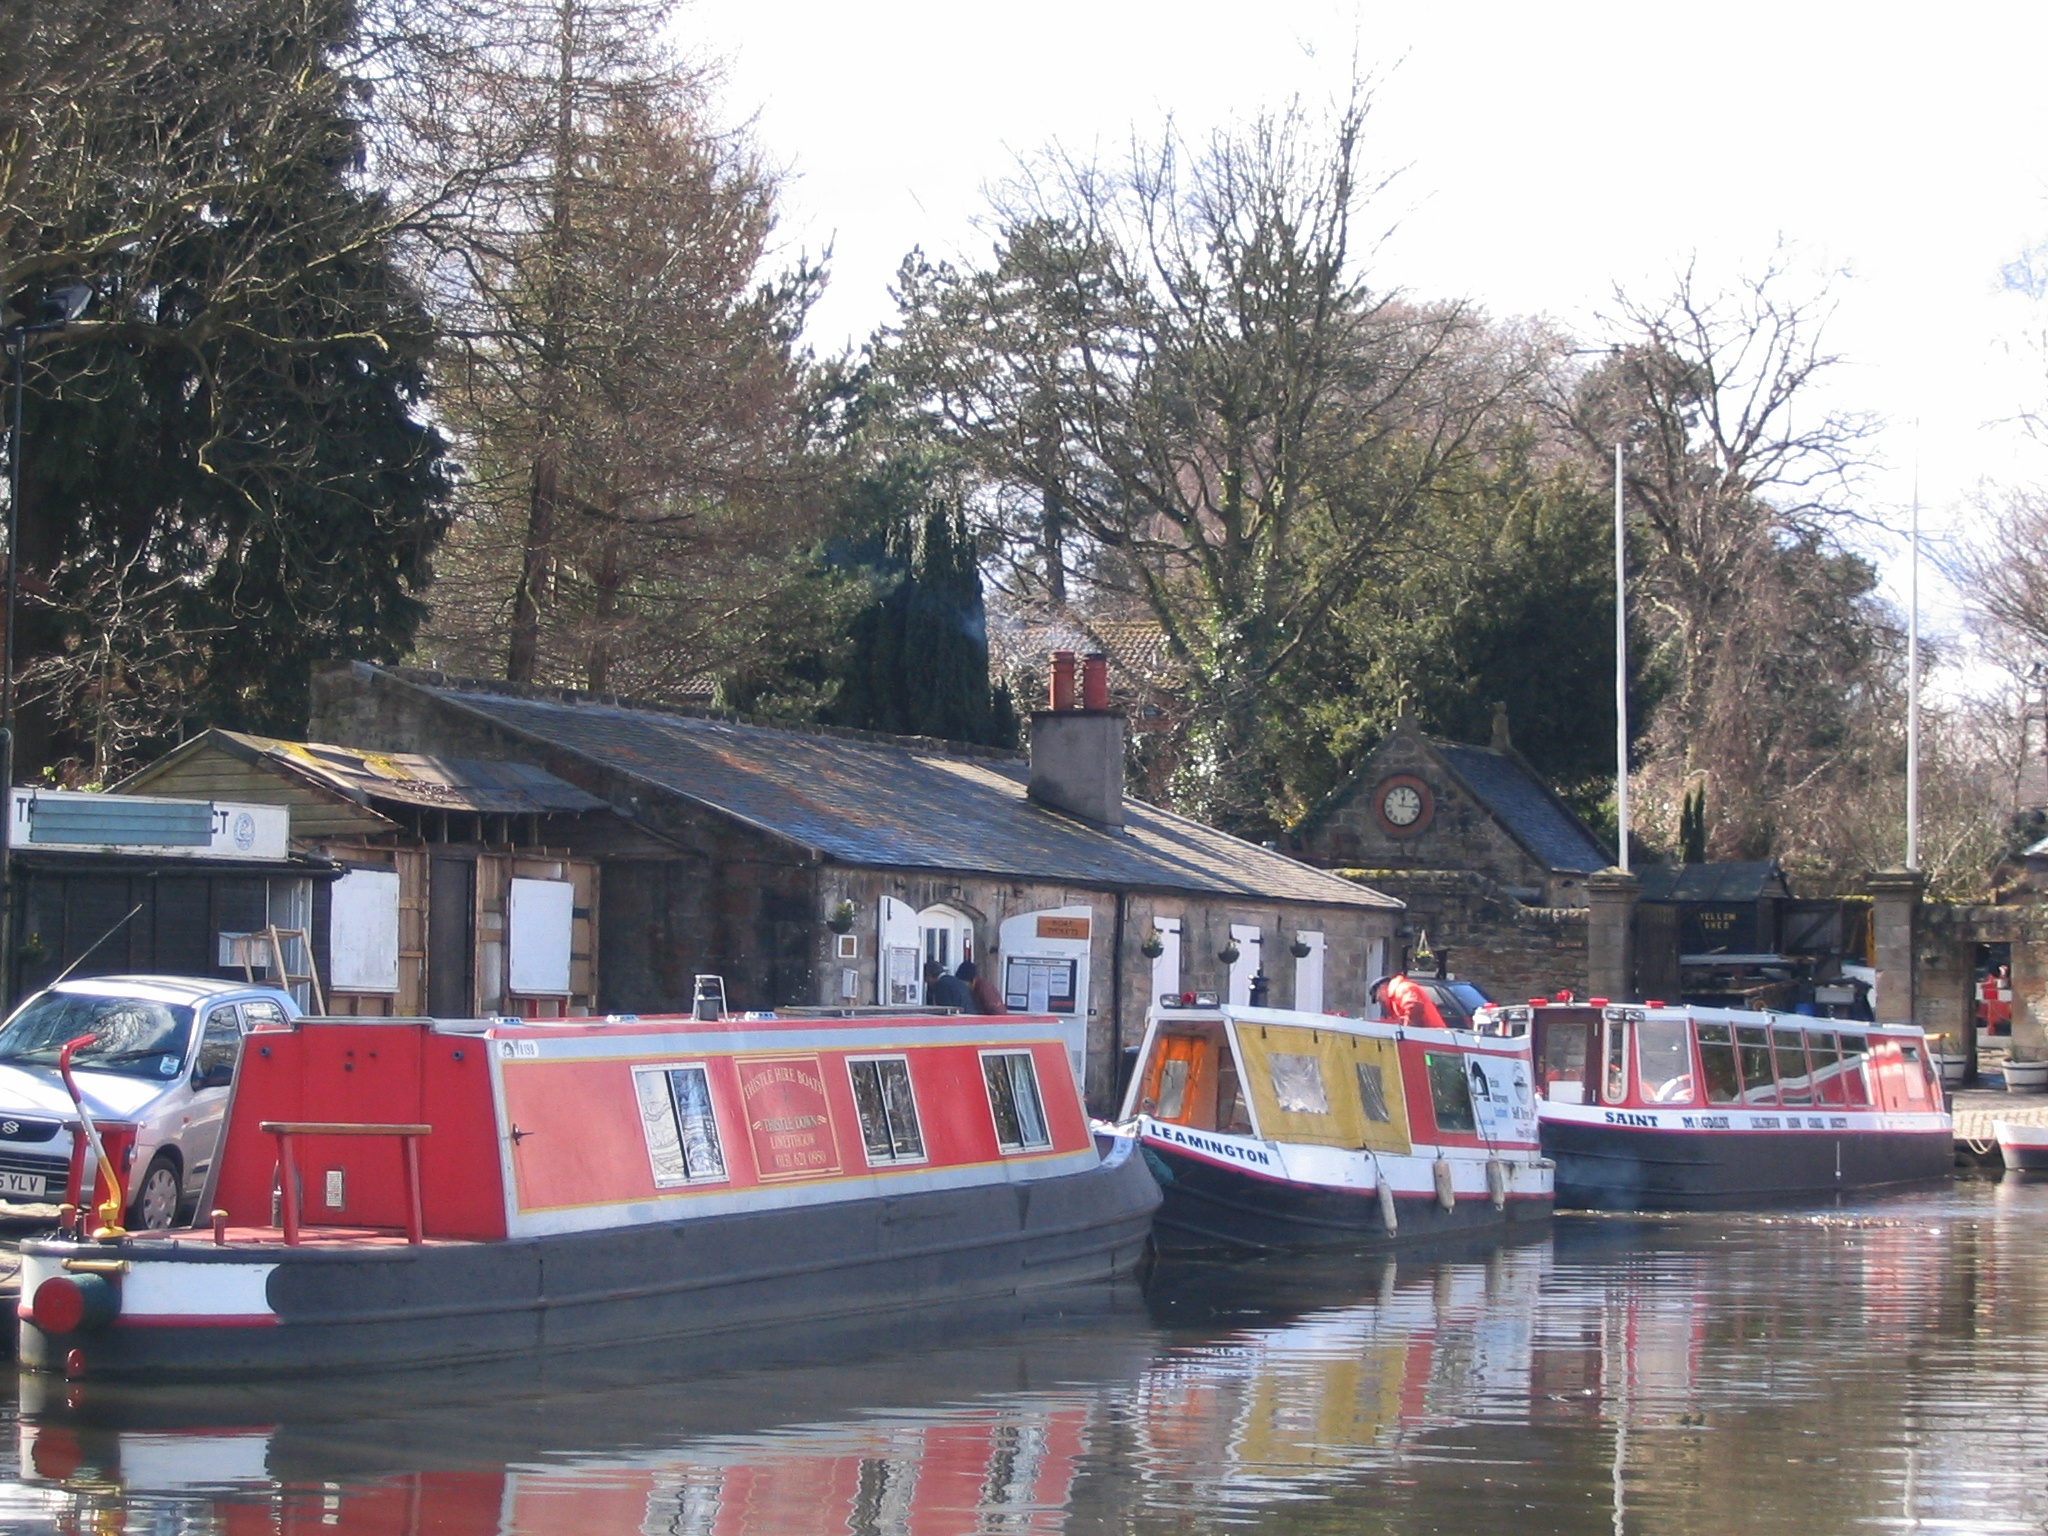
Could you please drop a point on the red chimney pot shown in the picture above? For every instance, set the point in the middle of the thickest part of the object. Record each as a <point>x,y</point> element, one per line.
<point>1062,679</point>
<point>1095,681</point>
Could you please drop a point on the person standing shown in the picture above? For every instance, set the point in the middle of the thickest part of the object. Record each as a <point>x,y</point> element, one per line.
<point>945,991</point>
<point>1406,1003</point>
<point>981,989</point>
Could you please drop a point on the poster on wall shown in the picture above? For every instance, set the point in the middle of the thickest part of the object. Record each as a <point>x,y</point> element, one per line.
<point>362,932</point>
<point>904,989</point>
<point>1034,984</point>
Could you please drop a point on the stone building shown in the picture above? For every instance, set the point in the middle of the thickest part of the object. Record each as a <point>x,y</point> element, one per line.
<point>823,868</point>
<point>1493,867</point>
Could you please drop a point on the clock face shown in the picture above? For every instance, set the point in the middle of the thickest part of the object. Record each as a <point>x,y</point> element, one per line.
<point>1403,805</point>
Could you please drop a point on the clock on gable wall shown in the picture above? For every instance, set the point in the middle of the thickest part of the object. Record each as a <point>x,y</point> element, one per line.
<point>1402,804</point>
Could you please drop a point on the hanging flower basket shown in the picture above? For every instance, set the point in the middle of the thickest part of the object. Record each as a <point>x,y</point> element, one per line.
<point>1227,954</point>
<point>1298,949</point>
<point>841,920</point>
<point>1153,947</point>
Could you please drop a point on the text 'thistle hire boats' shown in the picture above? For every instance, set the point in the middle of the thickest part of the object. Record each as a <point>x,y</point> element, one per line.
<point>1270,1129</point>
<point>402,1193</point>
<point>1672,1108</point>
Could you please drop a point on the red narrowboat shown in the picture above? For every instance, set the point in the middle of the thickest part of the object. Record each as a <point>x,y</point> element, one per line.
<point>1676,1108</point>
<point>1269,1129</point>
<point>397,1193</point>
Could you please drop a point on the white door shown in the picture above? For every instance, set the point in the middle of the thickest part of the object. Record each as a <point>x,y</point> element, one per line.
<point>1308,974</point>
<point>1246,966</point>
<point>944,938</point>
<point>1166,968</point>
<point>899,962</point>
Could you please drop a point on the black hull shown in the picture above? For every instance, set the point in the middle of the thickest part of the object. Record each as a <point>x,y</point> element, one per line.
<point>394,1307</point>
<point>1212,1209</point>
<point>1626,1168</point>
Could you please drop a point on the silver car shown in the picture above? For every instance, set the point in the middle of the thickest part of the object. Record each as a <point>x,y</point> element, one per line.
<point>164,1058</point>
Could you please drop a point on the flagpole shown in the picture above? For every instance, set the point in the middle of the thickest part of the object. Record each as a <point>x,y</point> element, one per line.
<point>1913,676</point>
<point>1620,670</point>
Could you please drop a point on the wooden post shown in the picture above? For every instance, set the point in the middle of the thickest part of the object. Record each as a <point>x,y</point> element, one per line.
<point>288,1172</point>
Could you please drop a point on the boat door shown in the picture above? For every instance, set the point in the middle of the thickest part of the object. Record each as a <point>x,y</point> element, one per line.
<point>1563,1049</point>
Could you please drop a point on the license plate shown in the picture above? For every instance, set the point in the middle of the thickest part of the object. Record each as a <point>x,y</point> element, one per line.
<point>31,1184</point>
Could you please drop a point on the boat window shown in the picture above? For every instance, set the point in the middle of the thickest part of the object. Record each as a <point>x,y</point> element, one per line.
<point>888,1109</point>
<point>1298,1084</point>
<point>1232,1114</point>
<point>1616,1089</point>
<point>1450,1096</point>
<point>1793,1084</point>
<point>1173,1087</point>
<point>1916,1072</point>
<point>1372,1092</point>
<point>679,1125</point>
<point>1753,1051</point>
<point>1855,1077</point>
<point>1013,1099</point>
<point>1827,1067</point>
<point>1664,1061</point>
<point>1564,1060</point>
<point>1717,1064</point>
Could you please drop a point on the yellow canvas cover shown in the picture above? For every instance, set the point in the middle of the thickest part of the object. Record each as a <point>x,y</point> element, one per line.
<point>1306,1085</point>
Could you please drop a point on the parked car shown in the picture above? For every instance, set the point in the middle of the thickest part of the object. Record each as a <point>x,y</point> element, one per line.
<point>165,1056</point>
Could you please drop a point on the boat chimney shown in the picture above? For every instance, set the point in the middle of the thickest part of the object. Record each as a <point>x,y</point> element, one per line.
<point>1077,755</point>
<point>1501,742</point>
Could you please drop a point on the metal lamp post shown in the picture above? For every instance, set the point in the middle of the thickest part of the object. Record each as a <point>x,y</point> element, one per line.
<point>56,311</point>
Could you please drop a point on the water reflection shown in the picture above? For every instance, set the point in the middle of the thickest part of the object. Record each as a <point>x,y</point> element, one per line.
<point>1880,1367</point>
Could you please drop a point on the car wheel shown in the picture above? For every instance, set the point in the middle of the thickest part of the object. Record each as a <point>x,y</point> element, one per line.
<point>157,1196</point>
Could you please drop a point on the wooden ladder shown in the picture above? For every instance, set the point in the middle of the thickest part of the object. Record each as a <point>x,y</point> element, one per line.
<point>273,938</point>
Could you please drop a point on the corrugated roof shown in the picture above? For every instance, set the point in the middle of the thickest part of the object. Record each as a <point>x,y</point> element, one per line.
<point>898,803</point>
<point>412,778</point>
<point>1734,880</point>
<point>1518,800</point>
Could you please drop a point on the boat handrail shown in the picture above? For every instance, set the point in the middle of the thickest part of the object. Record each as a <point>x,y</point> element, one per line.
<point>408,1141</point>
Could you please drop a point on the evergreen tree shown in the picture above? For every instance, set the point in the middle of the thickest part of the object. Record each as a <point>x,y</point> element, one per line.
<point>229,475</point>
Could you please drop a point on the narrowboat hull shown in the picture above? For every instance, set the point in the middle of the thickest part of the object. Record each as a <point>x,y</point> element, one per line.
<point>191,1309</point>
<point>1216,1202</point>
<point>2024,1147</point>
<point>1670,1165</point>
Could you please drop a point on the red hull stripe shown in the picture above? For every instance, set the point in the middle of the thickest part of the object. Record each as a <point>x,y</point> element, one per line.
<point>192,1320</point>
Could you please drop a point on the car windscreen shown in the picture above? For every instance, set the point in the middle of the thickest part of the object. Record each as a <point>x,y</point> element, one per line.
<point>1469,995</point>
<point>132,1036</point>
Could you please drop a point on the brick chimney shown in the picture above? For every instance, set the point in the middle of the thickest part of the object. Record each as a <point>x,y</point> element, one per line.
<point>1077,753</point>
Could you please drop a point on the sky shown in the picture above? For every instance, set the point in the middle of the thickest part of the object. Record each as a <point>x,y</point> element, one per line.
<point>1541,155</point>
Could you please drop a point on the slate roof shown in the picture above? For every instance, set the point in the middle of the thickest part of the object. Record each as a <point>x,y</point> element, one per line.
<point>406,778</point>
<point>1521,803</point>
<point>1730,881</point>
<point>897,803</point>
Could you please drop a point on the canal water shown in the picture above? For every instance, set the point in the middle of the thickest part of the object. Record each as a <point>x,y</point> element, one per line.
<point>1879,1367</point>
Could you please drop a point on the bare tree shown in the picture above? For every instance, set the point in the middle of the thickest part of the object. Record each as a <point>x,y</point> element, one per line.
<point>1180,389</point>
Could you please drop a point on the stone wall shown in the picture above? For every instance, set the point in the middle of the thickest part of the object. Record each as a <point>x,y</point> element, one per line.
<point>1509,949</point>
<point>1461,834</point>
<point>1120,974</point>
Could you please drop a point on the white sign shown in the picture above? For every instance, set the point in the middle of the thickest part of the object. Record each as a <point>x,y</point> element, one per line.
<point>362,932</point>
<point>238,831</point>
<point>542,915</point>
<point>1501,1098</point>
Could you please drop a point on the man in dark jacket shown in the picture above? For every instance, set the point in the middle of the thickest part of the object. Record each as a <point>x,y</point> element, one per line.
<point>983,991</point>
<point>944,991</point>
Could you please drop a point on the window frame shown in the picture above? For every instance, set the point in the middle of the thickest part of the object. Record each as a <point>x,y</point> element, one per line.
<point>1437,1080</point>
<point>1024,1147</point>
<point>197,1069</point>
<point>894,1159</point>
<point>664,1070</point>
